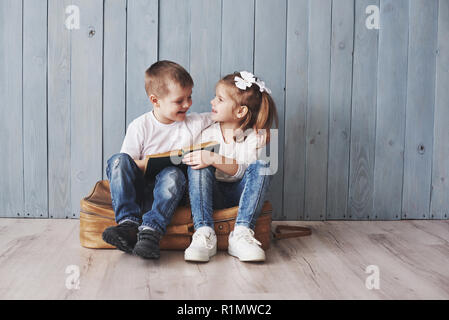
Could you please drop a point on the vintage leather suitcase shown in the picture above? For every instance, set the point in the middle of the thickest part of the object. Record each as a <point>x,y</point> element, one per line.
<point>97,214</point>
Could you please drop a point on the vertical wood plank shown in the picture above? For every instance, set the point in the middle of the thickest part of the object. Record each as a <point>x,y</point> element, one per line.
<point>317,129</point>
<point>174,31</point>
<point>340,108</point>
<point>371,149</point>
<point>142,51</point>
<point>391,100</point>
<point>11,113</point>
<point>114,78</point>
<point>59,204</point>
<point>205,51</point>
<point>86,101</point>
<point>35,107</point>
<point>295,108</point>
<point>420,109</point>
<point>363,117</point>
<point>269,65</point>
<point>440,169</point>
<point>237,36</point>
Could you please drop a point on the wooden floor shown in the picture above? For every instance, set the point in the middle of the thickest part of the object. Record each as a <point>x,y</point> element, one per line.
<point>412,257</point>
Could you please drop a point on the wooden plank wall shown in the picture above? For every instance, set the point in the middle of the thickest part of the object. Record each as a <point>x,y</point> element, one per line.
<point>364,113</point>
<point>391,109</point>
<point>12,199</point>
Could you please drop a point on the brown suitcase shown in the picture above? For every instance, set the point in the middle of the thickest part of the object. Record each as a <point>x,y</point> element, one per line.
<point>97,214</point>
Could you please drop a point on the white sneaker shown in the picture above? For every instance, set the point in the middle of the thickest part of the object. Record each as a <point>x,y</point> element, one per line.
<point>203,246</point>
<point>244,246</point>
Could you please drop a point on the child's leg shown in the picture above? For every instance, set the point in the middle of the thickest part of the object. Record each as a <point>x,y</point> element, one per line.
<point>126,184</point>
<point>169,188</point>
<point>254,184</point>
<point>201,186</point>
<point>202,193</point>
<point>250,193</point>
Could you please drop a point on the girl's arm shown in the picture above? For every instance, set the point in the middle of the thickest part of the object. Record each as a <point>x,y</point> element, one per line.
<point>201,159</point>
<point>227,165</point>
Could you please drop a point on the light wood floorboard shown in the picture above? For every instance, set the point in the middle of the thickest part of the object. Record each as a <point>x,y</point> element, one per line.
<point>412,256</point>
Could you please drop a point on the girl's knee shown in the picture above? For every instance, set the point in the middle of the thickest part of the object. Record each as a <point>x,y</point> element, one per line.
<point>262,167</point>
<point>262,163</point>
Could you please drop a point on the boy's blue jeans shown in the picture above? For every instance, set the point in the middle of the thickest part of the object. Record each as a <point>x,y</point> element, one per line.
<point>207,194</point>
<point>148,203</point>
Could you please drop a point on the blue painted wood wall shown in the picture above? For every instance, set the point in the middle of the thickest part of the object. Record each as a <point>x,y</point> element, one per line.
<point>364,113</point>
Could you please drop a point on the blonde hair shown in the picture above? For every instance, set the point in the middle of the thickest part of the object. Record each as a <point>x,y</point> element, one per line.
<point>261,106</point>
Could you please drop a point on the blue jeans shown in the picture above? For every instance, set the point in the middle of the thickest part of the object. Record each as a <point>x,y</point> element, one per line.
<point>148,203</point>
<point>207,194</point>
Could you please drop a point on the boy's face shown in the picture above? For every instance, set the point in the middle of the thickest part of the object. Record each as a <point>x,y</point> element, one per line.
<point>174,105</point>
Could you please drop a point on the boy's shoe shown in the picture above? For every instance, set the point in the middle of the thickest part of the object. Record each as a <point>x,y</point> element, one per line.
<point>122,236</point>
<point>203,246</point>
<point>244,246</point>
<point>147,245</point>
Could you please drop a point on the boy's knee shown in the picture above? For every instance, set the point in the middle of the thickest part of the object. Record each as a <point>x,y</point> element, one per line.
<point>173,174</point>
<point>171,183</point>
<point>118,159</point>
<point>207,170</point>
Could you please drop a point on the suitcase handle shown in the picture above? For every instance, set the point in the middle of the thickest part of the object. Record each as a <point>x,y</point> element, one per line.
<point>277,234</point>
<point>180,230</point>
<point>298,232</point>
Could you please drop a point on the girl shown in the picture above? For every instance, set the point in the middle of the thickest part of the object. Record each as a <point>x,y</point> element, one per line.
<point>244,112</point>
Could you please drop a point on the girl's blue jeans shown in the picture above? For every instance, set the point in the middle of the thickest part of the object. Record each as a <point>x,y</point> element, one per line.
<point>148,203</point>
<point>207,194</point>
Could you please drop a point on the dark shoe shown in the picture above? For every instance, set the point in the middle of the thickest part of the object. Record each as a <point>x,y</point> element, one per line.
<point>147,245</point>
<point>123,236</point>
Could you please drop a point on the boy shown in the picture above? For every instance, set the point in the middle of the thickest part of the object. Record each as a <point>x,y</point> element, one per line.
<point>167,127</point>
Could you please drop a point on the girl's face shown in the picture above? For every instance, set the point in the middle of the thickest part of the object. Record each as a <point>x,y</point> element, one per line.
<point>223,107</point>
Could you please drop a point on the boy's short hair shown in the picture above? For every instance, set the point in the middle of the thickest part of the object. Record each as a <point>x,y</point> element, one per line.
<point>158,75</point>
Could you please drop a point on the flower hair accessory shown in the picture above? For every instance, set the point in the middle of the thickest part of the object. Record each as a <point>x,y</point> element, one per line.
<point>262,86</point>
<point>247,80</point>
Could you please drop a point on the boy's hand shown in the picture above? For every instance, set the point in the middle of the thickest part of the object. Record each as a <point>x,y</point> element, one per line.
<point>199,159</point>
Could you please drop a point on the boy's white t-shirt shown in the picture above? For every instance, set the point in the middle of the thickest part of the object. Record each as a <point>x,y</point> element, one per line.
<point>244,152</point>
<point>146,135</point>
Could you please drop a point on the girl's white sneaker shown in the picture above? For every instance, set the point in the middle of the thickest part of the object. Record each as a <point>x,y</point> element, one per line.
<point>203,245</point>
<point>244,246</point>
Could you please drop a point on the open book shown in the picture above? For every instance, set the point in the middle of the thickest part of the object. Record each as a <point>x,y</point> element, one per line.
<point>156,162</point>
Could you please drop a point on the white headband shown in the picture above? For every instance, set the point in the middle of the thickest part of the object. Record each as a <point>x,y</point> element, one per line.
<point>247,80</point>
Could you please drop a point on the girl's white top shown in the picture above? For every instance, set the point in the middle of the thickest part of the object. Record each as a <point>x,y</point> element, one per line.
<point>244,151</point>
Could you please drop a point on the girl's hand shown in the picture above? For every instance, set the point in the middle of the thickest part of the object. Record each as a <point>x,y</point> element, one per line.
<point>199,159</point>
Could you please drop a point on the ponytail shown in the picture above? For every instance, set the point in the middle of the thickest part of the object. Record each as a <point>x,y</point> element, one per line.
<point>266,115</point>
